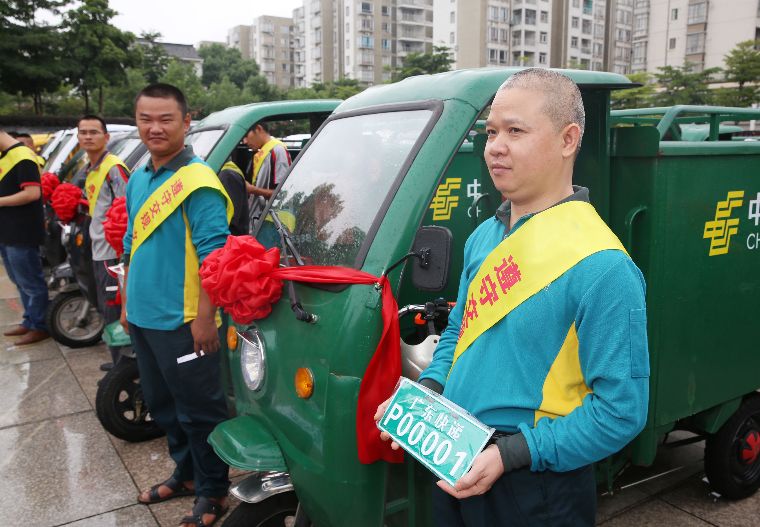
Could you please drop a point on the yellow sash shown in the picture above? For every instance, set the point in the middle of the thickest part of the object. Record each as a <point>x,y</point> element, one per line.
<point>543,249</point>
<point>96,178</point>
<point>229,165</point>
<point>169,196</point>
<point>261,155</point>
<point>13,157</point>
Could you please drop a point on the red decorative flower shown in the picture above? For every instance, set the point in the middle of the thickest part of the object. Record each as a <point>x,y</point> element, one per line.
<point>49,183</point>
<point>65,200</point>
<point>115,224</point>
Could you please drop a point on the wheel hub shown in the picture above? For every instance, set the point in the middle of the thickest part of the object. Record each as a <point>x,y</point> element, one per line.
<point>750,448</point>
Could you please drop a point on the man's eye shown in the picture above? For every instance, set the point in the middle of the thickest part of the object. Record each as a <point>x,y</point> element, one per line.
<point>490,132</point>
<point>514,130</point>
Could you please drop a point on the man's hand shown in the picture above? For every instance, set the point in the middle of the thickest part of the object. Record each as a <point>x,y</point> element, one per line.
<point>378,414</point>
<point>205,335</point>
<point>123,319</point>
<point>486,469</point>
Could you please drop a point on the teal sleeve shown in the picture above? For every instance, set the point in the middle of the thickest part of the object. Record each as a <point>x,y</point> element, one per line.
<point>130,223</point>
<point>206,213</point>
<point>614,360</point>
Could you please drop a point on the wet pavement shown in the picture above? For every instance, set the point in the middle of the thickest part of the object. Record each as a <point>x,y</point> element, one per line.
<point>59,467</point>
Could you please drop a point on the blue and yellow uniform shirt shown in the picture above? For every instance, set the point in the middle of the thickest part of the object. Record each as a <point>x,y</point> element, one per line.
<point>163,283</point>
<point>568,369</point>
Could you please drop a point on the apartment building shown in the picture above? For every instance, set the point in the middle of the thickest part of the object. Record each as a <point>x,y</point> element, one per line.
<point>271,48</point>
<point>239,37</point>
<point>702,32</point>
<point>619,37</point>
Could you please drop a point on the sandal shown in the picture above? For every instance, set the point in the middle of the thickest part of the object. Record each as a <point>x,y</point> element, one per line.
<point>177,487</point>
<point>204,505</point>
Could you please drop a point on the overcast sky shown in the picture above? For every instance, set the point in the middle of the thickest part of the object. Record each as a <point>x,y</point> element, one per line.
<point>190,21</point>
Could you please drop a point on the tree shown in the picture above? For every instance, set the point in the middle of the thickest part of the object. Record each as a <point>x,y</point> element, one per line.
<point>639,97</point>
<point>220,61</point>
<point>30,51</point>
<point>684,86</point>
<point>153,57</point>
<point>743,68</point>
<point>98,52</point>
<point>439,60</point>
<point>342,89</point>
<point>182,75</point>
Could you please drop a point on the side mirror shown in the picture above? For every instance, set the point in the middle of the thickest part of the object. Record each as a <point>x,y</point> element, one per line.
<point>430,271</point>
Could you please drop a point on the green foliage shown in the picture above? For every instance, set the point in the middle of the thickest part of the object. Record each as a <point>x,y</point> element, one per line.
<point>684,86</point>
<point>98,52</point>
<point>437,61</point>
<point>743,68</point>
<point>31,51</point>
<point>182,75</point>
<point>342,89</point>
<point>153,57</point>
<point>640,97</point>
<point>220,61</point>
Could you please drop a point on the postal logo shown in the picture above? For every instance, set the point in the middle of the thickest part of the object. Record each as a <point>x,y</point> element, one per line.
<point>723,226</point>
<point>445,200</point>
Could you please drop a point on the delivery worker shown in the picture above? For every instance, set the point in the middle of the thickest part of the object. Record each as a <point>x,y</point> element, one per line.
<point>547,342</point>
<point>106,180</point>
<point>178,213</point>
<point>271,161</point>
<point>22,230</point>
<point>234,183</point>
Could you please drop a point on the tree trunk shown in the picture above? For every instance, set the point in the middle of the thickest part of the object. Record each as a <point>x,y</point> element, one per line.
<point>100,100</point>
<point>86,95</point>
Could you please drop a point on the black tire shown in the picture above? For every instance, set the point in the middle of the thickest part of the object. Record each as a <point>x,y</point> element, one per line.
<point>269,513</point>
<point>120,407</point>
<point>732,455</point>
<point>61,323</point>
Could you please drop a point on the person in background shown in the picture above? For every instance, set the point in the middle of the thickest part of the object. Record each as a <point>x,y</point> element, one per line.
<point>106,180</point>
<point>21,233</point>
<point>271,162</point>
<point>234,183</point>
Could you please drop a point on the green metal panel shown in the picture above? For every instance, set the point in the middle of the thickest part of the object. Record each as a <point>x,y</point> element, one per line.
<point>245,443</point>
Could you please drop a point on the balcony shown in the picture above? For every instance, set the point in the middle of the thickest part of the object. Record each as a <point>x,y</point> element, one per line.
<point>415,4</point>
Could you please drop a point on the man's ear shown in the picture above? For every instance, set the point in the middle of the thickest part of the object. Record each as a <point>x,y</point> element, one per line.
<point>571,135</point>
<point>186,122</point>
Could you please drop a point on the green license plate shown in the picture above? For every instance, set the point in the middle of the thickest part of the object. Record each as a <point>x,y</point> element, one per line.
<point>439,434</point>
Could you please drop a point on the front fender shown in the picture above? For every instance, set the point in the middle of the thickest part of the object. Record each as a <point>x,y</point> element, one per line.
<point>246,443</point>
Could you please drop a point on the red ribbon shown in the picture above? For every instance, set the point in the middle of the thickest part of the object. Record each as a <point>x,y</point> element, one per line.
<point>245,279</point>
<point>49,183</point>
<point>65,201</point>
<point>115,224</point>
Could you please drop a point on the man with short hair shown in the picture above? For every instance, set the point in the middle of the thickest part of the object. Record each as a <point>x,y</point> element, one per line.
<point>547,342</point>
<point>106,180</point>
<point>178,213</point>
<point>21,233</point>
<point>28,141</point>
<point>271,161</point>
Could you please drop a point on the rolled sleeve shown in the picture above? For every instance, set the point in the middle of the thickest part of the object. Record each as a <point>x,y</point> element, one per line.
<point>206,213</point>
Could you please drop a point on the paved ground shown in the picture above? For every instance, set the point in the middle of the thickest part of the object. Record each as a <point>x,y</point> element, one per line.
<point>59,467</point>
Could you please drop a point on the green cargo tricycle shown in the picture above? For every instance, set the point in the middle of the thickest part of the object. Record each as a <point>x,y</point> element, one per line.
<point>389,171</point>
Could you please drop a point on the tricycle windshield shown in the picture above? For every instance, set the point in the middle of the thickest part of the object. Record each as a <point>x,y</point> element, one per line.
<point>333,194</point>
<point>203,141</point>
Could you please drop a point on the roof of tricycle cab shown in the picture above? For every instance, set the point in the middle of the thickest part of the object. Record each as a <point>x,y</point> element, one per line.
<point>248,114</point>
<point>474,86</point>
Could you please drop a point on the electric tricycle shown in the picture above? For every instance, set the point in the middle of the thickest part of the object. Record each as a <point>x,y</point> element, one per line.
<point>392,184</point>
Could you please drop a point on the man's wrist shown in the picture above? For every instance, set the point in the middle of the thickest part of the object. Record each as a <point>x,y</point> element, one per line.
<point>514,451</point>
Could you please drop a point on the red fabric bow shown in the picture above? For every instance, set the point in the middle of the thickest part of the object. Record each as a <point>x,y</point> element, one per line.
<point>245,279</point>
<point>115,224</point>
<point>66,198</point>
<point>49,183</point>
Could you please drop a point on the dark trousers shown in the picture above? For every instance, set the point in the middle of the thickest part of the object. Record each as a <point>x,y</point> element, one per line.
<point>523,498</point>
<point>106,287</point>
<point>24,267</point>
<point>187,401</point>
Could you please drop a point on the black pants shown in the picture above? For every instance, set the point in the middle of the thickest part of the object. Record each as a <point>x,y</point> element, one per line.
<point>187,401</point>
<point>523,498</point>
<point>106,287</point>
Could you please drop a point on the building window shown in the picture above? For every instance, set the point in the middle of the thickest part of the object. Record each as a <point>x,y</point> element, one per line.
<point>575,22</point>
<point>586,27</point>
<point>695,43</point>
<point>384,10</point>
<point>543,37</point>
<point>698,13</point>
<point>503,35</point>
<point>542,58</point>
<point>530,17</point>
<point>452,17</point>
<point>386,44</point>
<point>451,38</point>
<point>493,34</point>
<point>366,41</point>
<point>517,17</point>
<point>674,13</point>
<point>639,52</point>
<point>545,16</point>
<point>576,3</point>
<point>573,42</point>
<point>502,56</point>
<point>493,13</point>
<point>672,44</point>
<point>491,56</point>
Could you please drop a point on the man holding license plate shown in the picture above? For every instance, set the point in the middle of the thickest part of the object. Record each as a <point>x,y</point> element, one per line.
<point>547,342</point>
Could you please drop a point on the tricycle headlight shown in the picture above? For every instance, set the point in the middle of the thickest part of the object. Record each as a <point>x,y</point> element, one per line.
<point>252,358</point>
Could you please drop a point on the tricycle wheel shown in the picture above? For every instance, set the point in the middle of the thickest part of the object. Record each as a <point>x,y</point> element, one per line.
<point>732,455</point>
<point>272,512</point>
<point>120,407</point>
<point>72,321</point>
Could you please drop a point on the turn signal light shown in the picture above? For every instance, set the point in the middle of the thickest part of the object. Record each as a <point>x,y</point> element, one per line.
<point>232,338</point>
<point>79,240</point>
<point>304,383</point>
